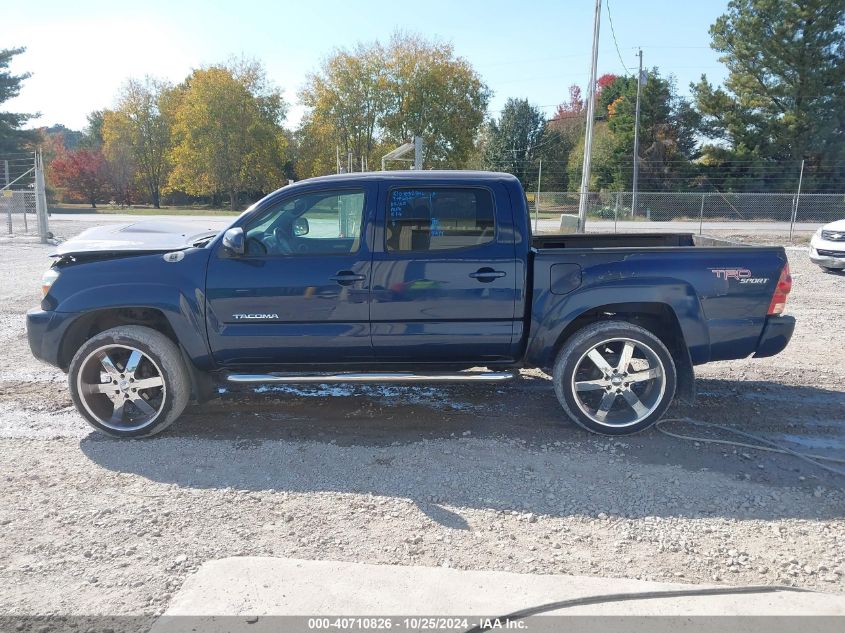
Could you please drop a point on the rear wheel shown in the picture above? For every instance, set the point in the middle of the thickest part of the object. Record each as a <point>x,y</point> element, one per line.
<point>129,381</point>
<point>614,378</point>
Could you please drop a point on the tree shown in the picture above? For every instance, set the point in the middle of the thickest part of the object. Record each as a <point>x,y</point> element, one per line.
<point>82,173</point>
<point>117,141</point>
<point>571,108</point>
<point>12,137</point>
<point>564,132</point>
<point>227,132</point>
<point>603,82</point>
<point>603,167</point>
<point>347,98</point>
<point>71,139</point>
<point>142,121</point>
<point>92,137</point>
<point>784,98</point>
<point>435,95</point>
<point>368,100</point>
<point>513,142</point>
<point>667,134</point>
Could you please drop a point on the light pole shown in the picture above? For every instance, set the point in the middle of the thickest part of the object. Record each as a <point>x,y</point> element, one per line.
<point>637,138</point>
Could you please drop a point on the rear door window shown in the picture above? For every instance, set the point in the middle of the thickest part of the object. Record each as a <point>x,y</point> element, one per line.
<point>439,218</point>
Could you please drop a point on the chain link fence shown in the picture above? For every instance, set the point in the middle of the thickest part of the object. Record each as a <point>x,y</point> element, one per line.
<point>18,210</point>
<point>697,212</point>
<point>23,203</point>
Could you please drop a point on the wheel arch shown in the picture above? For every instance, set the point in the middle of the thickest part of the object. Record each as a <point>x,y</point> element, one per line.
<point>89,324</point>
<point>656,317</point>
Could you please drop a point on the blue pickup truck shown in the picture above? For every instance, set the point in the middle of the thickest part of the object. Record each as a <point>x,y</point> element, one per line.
<point>407,276</point>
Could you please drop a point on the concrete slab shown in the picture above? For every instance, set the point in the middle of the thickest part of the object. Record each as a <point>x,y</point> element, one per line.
<point>253,586</point>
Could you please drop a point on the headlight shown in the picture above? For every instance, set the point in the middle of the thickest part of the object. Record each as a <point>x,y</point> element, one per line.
<point>48,279</point>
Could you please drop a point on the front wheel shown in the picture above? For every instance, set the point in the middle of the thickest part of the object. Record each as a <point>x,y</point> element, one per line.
<point>614,378</point>
<point>129,381</point>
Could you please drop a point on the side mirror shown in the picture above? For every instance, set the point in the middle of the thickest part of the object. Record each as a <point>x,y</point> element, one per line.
<point>233,241</point>
<point>300,227</point>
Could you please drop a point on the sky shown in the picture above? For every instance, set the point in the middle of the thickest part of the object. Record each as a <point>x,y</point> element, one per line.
<point>81,52</point>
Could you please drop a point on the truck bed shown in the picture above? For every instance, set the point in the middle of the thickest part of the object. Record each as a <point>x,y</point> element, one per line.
<point>718,292</point>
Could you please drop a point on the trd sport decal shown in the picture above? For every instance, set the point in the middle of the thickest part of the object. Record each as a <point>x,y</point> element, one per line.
<point>255,316</point>
<point>742,275</point>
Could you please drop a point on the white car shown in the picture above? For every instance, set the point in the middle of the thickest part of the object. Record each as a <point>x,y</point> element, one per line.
<point>827,248</point>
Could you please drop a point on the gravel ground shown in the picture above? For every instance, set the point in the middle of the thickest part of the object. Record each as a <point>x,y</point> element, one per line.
<point>470,477</point>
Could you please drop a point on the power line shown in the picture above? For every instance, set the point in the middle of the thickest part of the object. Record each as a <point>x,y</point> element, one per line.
<point>616,43</point>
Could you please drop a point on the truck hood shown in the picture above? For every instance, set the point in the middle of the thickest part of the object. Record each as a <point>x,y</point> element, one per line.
<point>838,225</point>
<point>146,236</point>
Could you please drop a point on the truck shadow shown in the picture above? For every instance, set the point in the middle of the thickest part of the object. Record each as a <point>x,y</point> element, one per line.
<point>506,451</point>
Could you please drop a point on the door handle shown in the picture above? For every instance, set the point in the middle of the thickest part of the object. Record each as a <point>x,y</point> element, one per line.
<point>486,275</point>
<point>347,277</point>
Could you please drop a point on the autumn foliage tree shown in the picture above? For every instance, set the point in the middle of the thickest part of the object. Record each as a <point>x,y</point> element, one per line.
<point>434,94</point>
<point>346,99</point>
<point>368,100</point>
<point>82,173</point>
<point>227,134</point>
<point>138,131</point>
<point>119,151</point>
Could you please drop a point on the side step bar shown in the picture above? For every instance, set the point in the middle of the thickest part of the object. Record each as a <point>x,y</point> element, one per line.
<point>486,376</point>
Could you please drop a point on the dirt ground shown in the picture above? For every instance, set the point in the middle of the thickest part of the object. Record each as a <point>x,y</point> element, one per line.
<point>471,477</point>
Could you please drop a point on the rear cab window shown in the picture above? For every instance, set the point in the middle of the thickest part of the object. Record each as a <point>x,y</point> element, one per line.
<point>439,218</point>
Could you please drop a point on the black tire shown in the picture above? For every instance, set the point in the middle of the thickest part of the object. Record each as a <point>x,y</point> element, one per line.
<point>833,270</point>
<point>158,356</point>
<point>584,404</point>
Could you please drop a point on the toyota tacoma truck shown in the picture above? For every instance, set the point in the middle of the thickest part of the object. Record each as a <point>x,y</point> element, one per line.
<point>411,276</point>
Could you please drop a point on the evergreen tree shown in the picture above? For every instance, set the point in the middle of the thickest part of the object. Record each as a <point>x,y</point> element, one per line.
<point>12,137</point>
<point>784,98</point>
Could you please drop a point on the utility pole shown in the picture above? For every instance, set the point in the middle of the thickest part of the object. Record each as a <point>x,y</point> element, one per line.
<point>637,138</point>
<point>797,200</point>
<point>537,199</point>
<point>337,152</point>
<point>41,198</point>
<point>588,137</point>
<point>418,152</point>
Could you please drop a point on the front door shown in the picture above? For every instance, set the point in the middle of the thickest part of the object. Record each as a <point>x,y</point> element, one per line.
<point>300,293</point>
<point>444,276</point>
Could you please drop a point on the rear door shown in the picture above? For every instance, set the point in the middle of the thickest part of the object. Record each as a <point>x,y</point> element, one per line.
<point>444,275</point>
<point>300,294</point>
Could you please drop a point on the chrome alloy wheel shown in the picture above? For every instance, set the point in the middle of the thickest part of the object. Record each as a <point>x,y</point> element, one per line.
<point>121,387</point>
<point>619,382</point>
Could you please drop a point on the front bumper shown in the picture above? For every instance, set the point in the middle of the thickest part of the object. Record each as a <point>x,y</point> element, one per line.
<point>828,261</point>
<point>775,337</point>
<point>45,330</point>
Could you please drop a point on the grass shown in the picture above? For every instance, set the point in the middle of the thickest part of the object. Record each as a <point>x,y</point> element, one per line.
<point>68,209</point>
